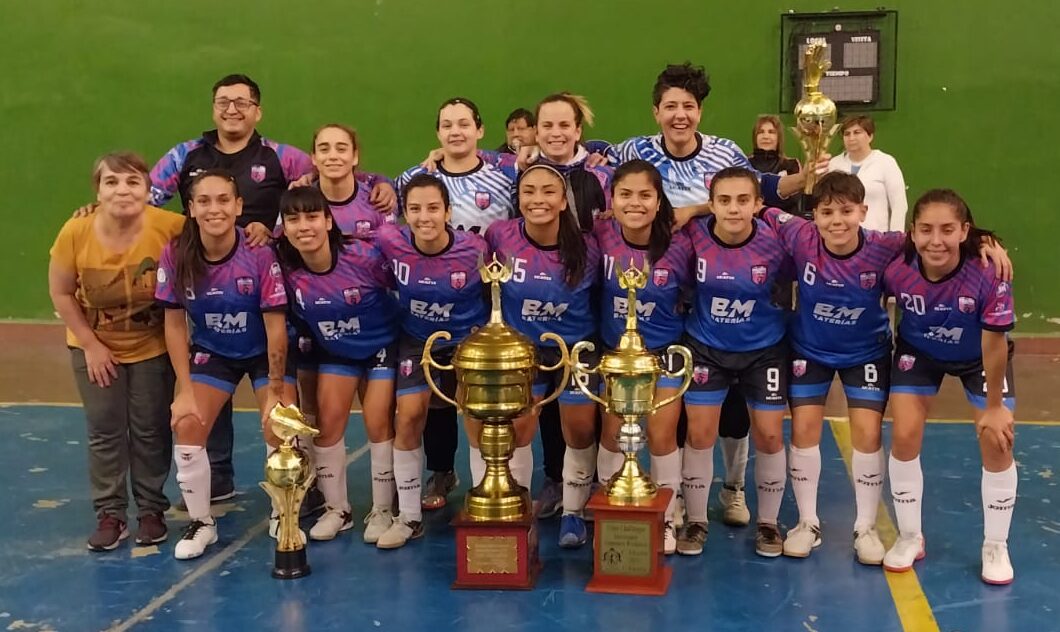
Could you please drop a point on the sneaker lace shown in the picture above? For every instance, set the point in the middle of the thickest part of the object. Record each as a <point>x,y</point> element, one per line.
<point>193,530</point>
<point>372,515</point>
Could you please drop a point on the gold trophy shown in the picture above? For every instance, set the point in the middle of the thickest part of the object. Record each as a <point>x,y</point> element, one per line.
<point>287,478</point>
<point>628,548</point>
<point>495,368</point>
<point>815,113</point>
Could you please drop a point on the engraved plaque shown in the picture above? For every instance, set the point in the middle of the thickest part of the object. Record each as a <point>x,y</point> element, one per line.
<point>626,548</point>
<point>489,555</point>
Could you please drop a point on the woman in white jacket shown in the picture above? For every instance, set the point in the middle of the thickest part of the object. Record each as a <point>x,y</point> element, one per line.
<point>879,172</point>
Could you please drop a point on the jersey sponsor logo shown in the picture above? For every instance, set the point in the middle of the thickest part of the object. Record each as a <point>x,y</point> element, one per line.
<point>245,285</point>
<point>868,280</point>
<point>660,276</point>
<point>200,358</point>
<point>351,295</point>
<point>942,307</point>
<point>458,280</point>
<point>225,323</point>
<point>543,276</point>
<point>363,228</point>
<point>724,276</point>
<point>305,344</point>
<point>906,362</point>
<point>430,311</point>
<point>837,315</point>
<point>966,304</point>
<point>759,274</point>
<point>946,335</point>
<point>482,199</point>
<point>798,368</point>
<point>405,367</point>
<point>257,173</point>
<point>332,329</point>
<point>542,310</point>
<point>731,312</point>
<point>621,308</point>
<point>322,301</point>
<point>783,218</point>
<point>215,291</point>
<point>426,281</point>
<point>835,283</point>
<point>160,276</point>
<point>700,374</point>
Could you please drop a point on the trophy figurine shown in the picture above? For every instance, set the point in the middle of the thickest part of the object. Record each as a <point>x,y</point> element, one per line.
<point>630,511</point>
<point>815,113</point>
<point>495,368</point>
<point>287,478</point>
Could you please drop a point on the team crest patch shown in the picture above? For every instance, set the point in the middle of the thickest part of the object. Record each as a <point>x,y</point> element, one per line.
<point>160,276</point>
<point>298,297</point>
<point>966,304</point>
<point>1002,288</point>
<point>798,368</point>
<point>700,374</point>
<point>482,199</point>
<point>406,367</point>
<point>351,295</point>
<point>906,362</point>
<point>660,276</point>
<point>783,218</point>
<point>257,173</point>
<point>868,280</point>
<point>305,344</point>
<point>458,280</point>
<point>759,274</point>
<point>200,358</point>
<point>363,228</point>
<point>274,269</point>
<point>707,178</point>
<point>245,285</point>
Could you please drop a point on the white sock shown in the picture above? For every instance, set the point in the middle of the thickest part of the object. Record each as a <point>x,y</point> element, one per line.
<point>770,480</point>
<point>804,466</point>
<point>382,455</point>
<point>666,472</point>
<point>522,466</point>
<point>697,471</point>
<point>999,500</point>
<point>478,466</point>
<point>331,475</point>
<point>907,491</point>
<point>193,478</point>
<point>734,456</point>
<point>579,465</point>
<point>608,463</point>
<point>408,474</point>
<point>867,469</point>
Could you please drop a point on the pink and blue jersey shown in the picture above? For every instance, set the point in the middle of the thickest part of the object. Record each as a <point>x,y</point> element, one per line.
<point>226,306</point>
<point>840,320</point>
<point>349,309</point>
<point>944,319</point>
<point>538,299</point>
<point>478,197</point>
<point>660,315</point>
<point>357,217</point>
<point>734,308</point>
<point>440,291</point>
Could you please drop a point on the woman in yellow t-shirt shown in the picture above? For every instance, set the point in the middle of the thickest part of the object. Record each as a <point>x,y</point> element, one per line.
<point>102,282</point>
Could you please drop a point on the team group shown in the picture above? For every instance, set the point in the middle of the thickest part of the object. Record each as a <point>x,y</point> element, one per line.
<point>293,270</point>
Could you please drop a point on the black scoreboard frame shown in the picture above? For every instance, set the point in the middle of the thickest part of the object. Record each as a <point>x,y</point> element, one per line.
<point>794,27</point>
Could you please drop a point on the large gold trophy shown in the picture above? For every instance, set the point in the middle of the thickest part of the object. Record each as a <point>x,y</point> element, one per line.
<point>495,368</point>
<point>287,478</point>
<point>815,113</point>
<point>628,547</point>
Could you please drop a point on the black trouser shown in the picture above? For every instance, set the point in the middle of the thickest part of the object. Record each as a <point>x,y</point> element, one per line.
<point>440,437</point>
<point>553,446</point>
<point>735,423</point>
<point>219,449</point>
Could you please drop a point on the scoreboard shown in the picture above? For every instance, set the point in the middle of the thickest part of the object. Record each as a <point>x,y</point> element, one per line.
<point>855,73</point>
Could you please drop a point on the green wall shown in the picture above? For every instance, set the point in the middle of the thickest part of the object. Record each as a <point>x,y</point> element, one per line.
<point>977,90</point>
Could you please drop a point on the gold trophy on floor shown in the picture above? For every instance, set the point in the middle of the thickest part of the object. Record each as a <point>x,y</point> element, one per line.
<point>287,479</point>
<point>815,113</point>
<point>495,366</point>
<point>630,511</point>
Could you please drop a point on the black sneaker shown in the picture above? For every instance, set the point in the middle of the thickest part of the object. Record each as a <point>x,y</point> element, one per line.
<point>436,491</point>
<point>109,533</point>
<point>313,502</point>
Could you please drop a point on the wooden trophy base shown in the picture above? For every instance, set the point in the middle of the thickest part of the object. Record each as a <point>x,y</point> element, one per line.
<point>496,555</point>
<point>628,553</point>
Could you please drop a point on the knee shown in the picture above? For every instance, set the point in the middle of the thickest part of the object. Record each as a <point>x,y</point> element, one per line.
<point>701,438</point>
<point>905,441</point>
<point>769,442</point>
<point>188,431</point>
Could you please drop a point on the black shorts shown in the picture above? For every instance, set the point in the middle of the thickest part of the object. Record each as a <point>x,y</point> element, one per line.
<point>225,374</point>
<point>410,378</point>
<point>865,385</point>
<point>379,366</point>
<point>917,373</point>
<point>545,381</point>
<point>762,375</point>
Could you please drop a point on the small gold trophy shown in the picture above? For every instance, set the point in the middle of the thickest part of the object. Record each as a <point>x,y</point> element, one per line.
<point>495,368</point>
<point>287,478</point>
<point>628,547</point>
<point>815,113</point>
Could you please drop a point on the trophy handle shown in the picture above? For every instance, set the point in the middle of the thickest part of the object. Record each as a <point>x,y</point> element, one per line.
<point>427,362</point>
<point>563,364</point>
<point>581,370</point>
<point>685,374</point>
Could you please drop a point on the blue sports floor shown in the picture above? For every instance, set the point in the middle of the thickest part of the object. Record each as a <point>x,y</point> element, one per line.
<point>49,581</point>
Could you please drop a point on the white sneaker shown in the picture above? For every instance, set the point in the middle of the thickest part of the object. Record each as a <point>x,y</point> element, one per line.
<point>376,524</point>
<point>906,550</point>
<point>274,528</point>
<point>197,536</point>
<point>868,547</point>
<point>997,568</point>
<point>399,533</point>
<point>802,540</point>
<point>331,523</point>
<point>735,503</point>
<point>669,539</point>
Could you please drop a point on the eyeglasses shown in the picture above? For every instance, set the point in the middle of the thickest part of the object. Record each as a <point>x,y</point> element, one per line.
<point>241,104</point>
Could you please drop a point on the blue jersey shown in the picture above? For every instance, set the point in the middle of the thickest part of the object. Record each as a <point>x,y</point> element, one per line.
<point>478,197</point>
<point>440,291</point>
<point>734,307</point>
<point>538,299</point>
<point>226,304</point>
<point>944,319</point>
<point>349,309</point>
<point>686,180</point>
<point>660,315</point>
<point>840,320</point>
<point>356,216</point>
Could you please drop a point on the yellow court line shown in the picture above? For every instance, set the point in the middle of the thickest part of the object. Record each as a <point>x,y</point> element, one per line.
<point>912,605</point>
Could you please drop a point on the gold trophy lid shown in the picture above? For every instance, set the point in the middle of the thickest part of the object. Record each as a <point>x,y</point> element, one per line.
<point>495,345</point>
<point>631,357</point>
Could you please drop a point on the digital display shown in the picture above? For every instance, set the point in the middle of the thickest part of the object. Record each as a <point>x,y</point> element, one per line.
<point>855,73</point>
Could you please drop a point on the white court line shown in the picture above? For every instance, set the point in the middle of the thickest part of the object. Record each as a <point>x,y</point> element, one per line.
<point>210,565</point>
